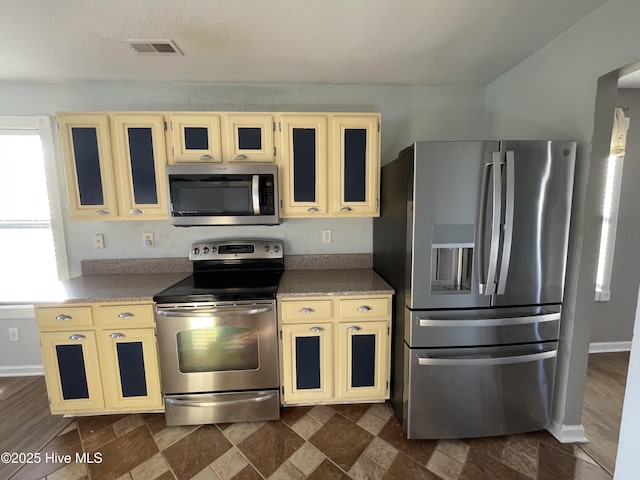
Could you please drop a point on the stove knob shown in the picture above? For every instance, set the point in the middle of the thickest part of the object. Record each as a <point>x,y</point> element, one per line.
<point>195,251</point>
<point>276,248</point>
<point>214,249</point>
<point>267,248</point>
<point>205,250</point>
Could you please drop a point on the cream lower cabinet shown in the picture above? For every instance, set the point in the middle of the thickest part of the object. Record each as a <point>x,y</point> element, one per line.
<point>95,362</point>
<point>335,350</point>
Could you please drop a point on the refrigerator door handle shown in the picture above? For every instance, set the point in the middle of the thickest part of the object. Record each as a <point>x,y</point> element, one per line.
<point>482,282</point>
<point>490,287</point>
<point>508,222</point>
<point>489,322</point>
<point>487,361</point>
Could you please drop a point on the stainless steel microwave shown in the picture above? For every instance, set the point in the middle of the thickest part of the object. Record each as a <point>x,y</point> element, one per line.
<point>223,194</point>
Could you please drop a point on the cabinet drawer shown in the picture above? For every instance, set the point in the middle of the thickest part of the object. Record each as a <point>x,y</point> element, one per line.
<point>306,310</point>
<point>63,317</point>
<point>124,316</point>
<point>370,307</point>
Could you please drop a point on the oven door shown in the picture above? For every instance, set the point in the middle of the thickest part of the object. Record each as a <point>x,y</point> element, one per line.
<point>217,347</point>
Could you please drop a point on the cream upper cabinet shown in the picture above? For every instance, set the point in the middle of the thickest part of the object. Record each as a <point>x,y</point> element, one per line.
<point>140,155</point>
<point>195,137</point>
<point>114,165</point>
<point>248,137</point>
<point>355,169</point>
<point>303,159</point>
<point>86,152</point>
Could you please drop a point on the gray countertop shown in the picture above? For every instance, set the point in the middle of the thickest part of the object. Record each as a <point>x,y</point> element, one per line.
<point>348,281</point>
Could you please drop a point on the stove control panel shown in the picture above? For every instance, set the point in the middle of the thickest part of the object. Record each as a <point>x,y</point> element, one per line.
<point>236,250</point>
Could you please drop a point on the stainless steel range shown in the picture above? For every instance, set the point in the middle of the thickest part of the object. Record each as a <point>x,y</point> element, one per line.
<point>217,335</point>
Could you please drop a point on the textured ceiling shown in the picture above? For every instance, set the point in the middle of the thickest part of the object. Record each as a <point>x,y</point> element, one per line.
<point>380,42</point>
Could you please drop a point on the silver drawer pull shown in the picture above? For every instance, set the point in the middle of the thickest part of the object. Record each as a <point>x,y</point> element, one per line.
<point>316,329</point>
<point>354,328</point>
<point>117,335</point>
<point>77,336</point>
<point>241,157</point>
<point>346,209</point>
<point>313,209</point>
<point>102,212</point>
<point>136,211</point>
<point>306,310</point>
<point>206,157</point>
<point>125,315</point>
<point>63,317</point>
<point>364,308</point>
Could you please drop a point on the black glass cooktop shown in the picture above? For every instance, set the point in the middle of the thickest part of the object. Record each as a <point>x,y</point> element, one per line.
<point>222,286</point>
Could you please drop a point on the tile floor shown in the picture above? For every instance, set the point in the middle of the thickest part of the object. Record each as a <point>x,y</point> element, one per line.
<point>360,441</point>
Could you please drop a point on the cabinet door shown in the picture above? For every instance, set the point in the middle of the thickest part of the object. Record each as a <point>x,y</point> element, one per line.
<point>356,165</point>
<point>249,137</point>
<point>72,371</point>
<point>130,373</point>
<point>363,360</point>
<point>86,154</point>
<point>140,165</point>
<point>196,137</point>
<point>303,164</point>
<point>307,366</point>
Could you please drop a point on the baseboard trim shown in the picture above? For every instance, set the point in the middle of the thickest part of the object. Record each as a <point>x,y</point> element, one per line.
<point>608,347</point>
<point>22,371</point>
<point>568,433</point>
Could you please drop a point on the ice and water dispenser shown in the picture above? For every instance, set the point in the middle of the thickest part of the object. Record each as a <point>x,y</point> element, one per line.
<point>451,258</point>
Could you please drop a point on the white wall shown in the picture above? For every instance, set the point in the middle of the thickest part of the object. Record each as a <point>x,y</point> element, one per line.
<point>408,114</point>
<point>552,95</point>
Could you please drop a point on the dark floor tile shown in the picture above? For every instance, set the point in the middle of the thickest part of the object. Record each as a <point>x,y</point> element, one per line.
<point>544,437</point>
<point>65,444</point>
<point>269,446</point>
<point>195,451</point>
<point>404,468</point>
<point>419,450</point>
<point>341,440</point>
<point>327,471</point>
<point>92,424</point>
<point>165,476</point>
<point>155,422</point>
<point>493,446</point>
<point>481,466</point>
<point>556,465</point>
<point>353,411</point>
<point>247,473</point>
<point>123,454</point>
<point>92,440</point>
<point>291,415</point>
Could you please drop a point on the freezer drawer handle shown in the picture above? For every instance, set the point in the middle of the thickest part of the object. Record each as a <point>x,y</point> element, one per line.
<point>364,308</point>
<point>489,322</point>
<point>63,317</point>
<point>191,403</point>
<point>454,362</point>
<point>306,310</point>
<point>316,329</point>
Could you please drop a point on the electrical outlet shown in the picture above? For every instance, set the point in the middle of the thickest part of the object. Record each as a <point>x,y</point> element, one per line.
<point>326,236</point>
<point>14,335</point>
<point>98,240</point>
<point>147,240</point>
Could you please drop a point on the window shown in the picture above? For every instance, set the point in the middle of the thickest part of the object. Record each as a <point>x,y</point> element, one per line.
<point>32,249</point>
<point>610,205</point>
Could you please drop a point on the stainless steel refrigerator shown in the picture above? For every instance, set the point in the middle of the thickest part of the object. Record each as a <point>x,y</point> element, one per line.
<point>473,237</point>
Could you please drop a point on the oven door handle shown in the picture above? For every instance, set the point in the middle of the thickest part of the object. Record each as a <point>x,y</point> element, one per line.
<point>253,398</point>
<point>218,312</point>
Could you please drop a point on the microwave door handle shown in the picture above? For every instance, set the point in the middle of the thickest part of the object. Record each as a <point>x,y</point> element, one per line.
<point>255,190</point>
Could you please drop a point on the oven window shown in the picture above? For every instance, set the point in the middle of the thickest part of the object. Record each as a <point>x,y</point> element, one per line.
<point>216,349</point>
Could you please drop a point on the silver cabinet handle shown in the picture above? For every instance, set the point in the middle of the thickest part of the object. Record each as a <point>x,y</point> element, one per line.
<point>206,157</point>
<point>136,211</point>
<point>125,315</point>
<point>346,209</point>
<point>313,209</point>
<point>63,317</point>
<point>364,308</point>
<point>77,336</point>
<point>117,335</point>
<point>354,328</point>
<point>102,212</point>
<point>306,310</point>
<point>316,329</point>
<point>241,157</point>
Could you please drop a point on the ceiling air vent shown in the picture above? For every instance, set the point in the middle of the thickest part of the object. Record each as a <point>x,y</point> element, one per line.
<point>154,47</point>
